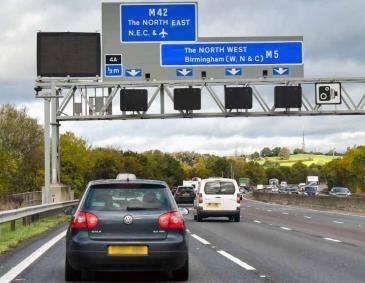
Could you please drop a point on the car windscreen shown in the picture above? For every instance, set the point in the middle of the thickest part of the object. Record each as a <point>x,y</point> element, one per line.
<point>219,188</point>
<point>310,189</point>
<point>185,189</point>
<point>340,190</point>
<point>124,197</point>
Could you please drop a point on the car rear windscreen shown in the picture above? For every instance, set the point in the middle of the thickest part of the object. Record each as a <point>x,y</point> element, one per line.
<point>185,190</point>
<point>124,198</point>
<point>219,188</point>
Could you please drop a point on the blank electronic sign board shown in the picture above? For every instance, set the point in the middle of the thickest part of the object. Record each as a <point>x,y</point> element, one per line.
<point>74,54</point>
<point>187,98</point>
<point>238,97</point>
<point>133,100</point>
<point>288,97</point>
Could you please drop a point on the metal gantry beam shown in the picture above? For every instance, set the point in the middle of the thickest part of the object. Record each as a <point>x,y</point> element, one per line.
<point>263,105</point>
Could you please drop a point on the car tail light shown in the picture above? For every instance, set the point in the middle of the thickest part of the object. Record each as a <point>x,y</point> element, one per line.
<point>171,220</point>
<point>84,220</point>
<point>238,198</point>
<point>200,198</point>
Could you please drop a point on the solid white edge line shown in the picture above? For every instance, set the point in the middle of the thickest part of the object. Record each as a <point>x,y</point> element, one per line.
<point>25,263</point>
<point>332,240</point>
<point>236,260</point>
<point>285,228</point>
<point>200,239</point>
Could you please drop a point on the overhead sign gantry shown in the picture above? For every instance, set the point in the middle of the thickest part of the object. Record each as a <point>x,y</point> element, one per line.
<point>160,41</point>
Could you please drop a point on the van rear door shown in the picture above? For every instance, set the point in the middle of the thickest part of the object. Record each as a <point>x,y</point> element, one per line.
<point>220,195</point>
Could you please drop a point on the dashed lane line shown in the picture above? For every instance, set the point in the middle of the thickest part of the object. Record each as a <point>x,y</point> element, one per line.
<point>285,228</point>
<point>338,222</point>
<point>332,240</point>
<point>200,239</point>
<point>308,217</point>
<point>236,260</point>
<point>257,221</point>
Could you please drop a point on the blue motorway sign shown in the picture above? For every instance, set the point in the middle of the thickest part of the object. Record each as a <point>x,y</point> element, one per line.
<point>113,70</point>
<point>231,53</point>
<point>133,73</point>
<point>158,22</point>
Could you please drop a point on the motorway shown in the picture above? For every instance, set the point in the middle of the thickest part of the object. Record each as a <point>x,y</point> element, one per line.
<point>272,243</point>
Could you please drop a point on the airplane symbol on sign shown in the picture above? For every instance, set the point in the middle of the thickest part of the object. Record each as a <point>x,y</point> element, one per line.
<point>163,33</point>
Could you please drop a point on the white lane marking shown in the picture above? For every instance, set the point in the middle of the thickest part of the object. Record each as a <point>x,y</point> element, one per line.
<point>200,239</point>
<point>187,230</point>
<point>338,222</point>
<point>249,206</point>
<point>257,208</point>
<point>332,240</point>
<point>285,213</point>
<point>256,221</point>
<point>285,228</point>
<point>269,210</point>
<point>20,267</point>
<point>236,260</point>
<point>305,208</point>
<point>263,276</point>
<point>308,217</point>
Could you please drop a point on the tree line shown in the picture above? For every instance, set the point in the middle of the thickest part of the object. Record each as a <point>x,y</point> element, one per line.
<point>22,160</point>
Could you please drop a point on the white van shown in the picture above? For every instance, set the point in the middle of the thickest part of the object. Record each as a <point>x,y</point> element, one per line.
<point>217,197</point>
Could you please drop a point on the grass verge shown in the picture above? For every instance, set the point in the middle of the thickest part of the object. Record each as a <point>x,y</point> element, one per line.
<point>11,239</point>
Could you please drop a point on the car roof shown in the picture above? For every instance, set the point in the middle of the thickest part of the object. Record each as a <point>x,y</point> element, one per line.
<point>133,181</point>
<point>218,179</point>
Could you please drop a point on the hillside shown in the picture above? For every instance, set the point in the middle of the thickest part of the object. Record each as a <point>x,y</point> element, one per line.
<point>307,159</point>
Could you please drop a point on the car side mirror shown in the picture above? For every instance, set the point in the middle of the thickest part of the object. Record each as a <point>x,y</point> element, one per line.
<point>183,211</point>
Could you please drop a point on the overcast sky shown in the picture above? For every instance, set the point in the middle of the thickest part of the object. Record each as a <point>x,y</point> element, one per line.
<point>334,44</point>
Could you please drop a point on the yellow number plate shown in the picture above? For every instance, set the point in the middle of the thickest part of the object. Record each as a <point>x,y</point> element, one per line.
<point>213,205</point>
<point>128,250</point>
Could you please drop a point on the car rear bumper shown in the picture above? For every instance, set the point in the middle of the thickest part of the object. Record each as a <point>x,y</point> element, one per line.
<point>101,261</point>
<point>168,254</point>
<point>184,199</point>
<point>217,213</point>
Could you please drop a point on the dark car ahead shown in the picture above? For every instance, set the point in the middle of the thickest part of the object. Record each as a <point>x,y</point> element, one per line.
<point>127,225</point>
<point>310,191</point>
<point>184,194</point>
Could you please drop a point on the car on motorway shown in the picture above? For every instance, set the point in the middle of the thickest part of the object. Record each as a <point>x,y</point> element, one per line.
<point>340,192</point>
<point>218,197</point>
<point>127,225</point>
<point>301,187</point>
<point>292,191</point>
<point>184,194</point>
<point>259,187</point>
<point>274,189</point>
<point>310,191</point>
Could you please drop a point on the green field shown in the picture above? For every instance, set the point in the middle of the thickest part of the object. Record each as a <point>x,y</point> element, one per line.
<point>307,159</point>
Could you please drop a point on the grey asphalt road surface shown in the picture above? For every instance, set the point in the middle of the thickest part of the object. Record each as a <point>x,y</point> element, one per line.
<point>272,243</point>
